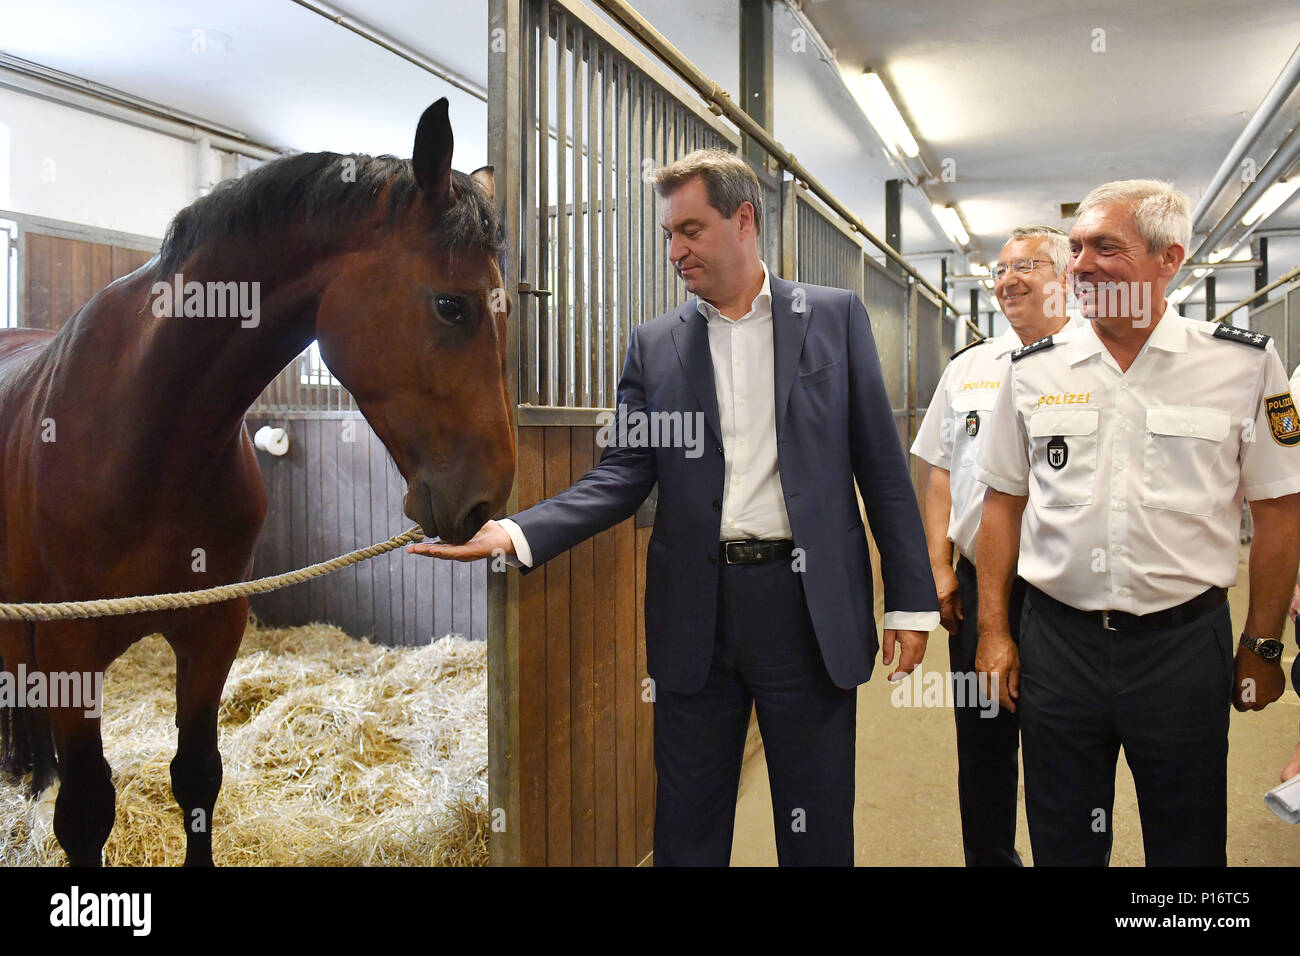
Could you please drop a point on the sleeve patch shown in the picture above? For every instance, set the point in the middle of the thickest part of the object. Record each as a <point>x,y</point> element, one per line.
<point>1283,420</point>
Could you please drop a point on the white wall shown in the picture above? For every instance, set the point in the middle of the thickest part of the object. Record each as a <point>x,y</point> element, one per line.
<point>65,163</point>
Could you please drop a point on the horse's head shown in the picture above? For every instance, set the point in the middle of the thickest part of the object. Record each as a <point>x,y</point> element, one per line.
<point>413,323</point>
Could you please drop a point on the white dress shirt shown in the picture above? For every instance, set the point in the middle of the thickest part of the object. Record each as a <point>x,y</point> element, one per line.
<point>953,429</point>
<point>753,502</point>
<point>1135,479</point>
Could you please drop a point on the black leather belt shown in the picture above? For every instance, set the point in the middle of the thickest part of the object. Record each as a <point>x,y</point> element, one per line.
<point>754,551</point>
<point>1171,617</point>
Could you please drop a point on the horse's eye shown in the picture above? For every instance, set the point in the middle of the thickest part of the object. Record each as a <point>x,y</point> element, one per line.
<point>450,308</point>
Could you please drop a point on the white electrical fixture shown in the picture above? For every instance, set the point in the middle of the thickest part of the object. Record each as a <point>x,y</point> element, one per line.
<point>1179,294</point>
<point>978,270</point>
<point>876,103</point>
<point>1199,272</point>
<point>1272,200</point>
<point>951,223</point>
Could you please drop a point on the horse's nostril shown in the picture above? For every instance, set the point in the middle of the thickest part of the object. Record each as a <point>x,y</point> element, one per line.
<point>478,516</point>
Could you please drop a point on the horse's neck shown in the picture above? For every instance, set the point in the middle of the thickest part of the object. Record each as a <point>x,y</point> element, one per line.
<point>202,372</point>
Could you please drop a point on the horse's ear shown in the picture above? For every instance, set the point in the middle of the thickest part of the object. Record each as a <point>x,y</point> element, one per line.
<point>486,178</point>
<point>431,158</point>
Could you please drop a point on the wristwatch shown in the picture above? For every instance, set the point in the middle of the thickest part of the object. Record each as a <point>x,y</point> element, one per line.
<point>1266,647</point>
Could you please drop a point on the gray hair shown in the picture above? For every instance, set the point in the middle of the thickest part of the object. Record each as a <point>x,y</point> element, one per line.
<point>727,177</point>
<point>1163,213</point>
<point>1058,243</point>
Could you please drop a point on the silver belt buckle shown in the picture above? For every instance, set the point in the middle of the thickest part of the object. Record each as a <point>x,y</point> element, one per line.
<point>1105,622</point>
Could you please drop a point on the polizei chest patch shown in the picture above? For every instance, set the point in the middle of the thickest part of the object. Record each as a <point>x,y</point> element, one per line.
<point>1283,421</point>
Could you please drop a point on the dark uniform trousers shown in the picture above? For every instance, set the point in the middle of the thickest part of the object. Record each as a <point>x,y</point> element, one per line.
<point>1163,695</point>
<point>988,762</point>
<point>766,657</point>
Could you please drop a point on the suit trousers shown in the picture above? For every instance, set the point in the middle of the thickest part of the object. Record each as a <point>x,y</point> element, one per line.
<point>988,748</point>
<point>1163,695</point>
<point>765,657</point>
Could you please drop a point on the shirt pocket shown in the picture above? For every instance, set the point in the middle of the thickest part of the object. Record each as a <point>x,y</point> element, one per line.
<point>1063,455</point>
<point>1183,445</point>
<point>971,413</point>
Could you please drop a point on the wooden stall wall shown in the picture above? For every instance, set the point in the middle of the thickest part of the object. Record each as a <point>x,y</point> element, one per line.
<point>585,761</point>
<point>337,489</point>
<point>60,275</point>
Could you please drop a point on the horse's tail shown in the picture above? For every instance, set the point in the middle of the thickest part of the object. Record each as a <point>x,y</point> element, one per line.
<point>26,743</point>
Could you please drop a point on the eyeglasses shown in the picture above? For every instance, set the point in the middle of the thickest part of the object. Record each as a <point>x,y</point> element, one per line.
<point>1024,266</point>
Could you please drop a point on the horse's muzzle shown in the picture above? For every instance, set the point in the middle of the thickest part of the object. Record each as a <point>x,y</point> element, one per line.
<point>453,518</point>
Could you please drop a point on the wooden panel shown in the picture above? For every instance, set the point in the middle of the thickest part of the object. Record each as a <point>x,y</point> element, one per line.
<point>585,753</point>
<point>62,275</point>
<point>582,668</point>
<point>626,695</point>
<point>322,501</point>
<point>645,779</point>
<point>559,760</point>
<point>39,264</point>
<point>531,763</point>
<point>605,740</point>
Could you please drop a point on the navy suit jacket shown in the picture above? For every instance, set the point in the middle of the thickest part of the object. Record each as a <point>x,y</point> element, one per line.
<point>833,424</point>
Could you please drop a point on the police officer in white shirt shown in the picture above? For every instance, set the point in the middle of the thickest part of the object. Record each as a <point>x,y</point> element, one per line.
<point>1029,281</point>
<point>1133,441</point>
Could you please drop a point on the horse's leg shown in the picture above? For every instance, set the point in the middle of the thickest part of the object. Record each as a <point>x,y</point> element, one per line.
<point>85,806</point>
<point>26,742</point>
<point>205,643</point>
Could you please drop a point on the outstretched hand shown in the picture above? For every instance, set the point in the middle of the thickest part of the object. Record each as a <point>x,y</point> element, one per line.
<point>491,540</point>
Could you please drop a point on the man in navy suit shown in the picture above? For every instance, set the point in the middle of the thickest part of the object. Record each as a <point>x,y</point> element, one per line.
<point>758,583</point>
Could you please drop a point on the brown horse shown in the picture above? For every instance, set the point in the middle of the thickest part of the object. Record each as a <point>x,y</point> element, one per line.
<point>122,439</point>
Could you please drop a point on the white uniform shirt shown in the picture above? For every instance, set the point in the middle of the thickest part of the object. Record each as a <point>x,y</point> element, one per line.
<point>954,428</point>
<point>1135,479</point>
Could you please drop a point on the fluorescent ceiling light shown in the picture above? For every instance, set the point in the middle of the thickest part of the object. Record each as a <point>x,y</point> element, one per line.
<point>1218,255</point>
<point>1274,197</point>
<point>978,270</point>
<point>1199,272</point>
<point>951,223</point>
<point>1179,294</point>
<point>880,110</point>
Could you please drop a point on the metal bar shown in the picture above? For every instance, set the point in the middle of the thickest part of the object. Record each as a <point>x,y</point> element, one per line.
<point>545,270</point>
<point>580,291</point>
<point>563,393</point>
<point>608,227</point>
<point>579,13</point>
<point>533,138</point>
<point>1259,293</point>
<point>527,416</point>
<point>592,336</point>
<point>718,101</point>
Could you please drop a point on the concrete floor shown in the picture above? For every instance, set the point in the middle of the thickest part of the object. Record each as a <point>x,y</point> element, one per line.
<point>906,808</point>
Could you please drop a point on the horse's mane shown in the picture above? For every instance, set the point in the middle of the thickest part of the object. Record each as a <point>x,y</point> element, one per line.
<point>330,192</point>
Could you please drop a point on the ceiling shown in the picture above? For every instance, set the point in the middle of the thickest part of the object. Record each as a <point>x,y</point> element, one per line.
<point>1012,94</point>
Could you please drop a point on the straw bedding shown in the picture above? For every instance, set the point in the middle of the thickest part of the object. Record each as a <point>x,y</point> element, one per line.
<point>336,752</point>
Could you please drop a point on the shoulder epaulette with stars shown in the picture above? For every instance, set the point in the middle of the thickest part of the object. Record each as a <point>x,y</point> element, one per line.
<point>1246,337</point>
<point>966,348</point>
<point>1044,343</point>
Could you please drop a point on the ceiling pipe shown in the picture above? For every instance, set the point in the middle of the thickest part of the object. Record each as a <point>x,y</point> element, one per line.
<point>395,46</point>
<point>721,104</point>
<point>1274,170</point>
<point>1281,89</point>
<point>69,90</point>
